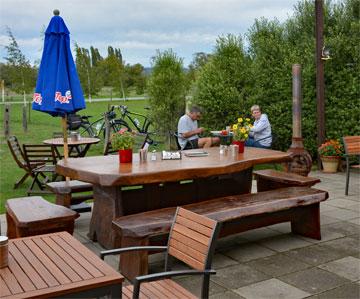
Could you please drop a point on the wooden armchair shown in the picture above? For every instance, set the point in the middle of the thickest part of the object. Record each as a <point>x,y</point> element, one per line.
<point>352,148</point>
<point>44,156</point>
<point>192,240</point>
<point>19,158</point>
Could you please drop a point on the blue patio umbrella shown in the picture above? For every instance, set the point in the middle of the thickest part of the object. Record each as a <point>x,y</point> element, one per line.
<point>58,90</point>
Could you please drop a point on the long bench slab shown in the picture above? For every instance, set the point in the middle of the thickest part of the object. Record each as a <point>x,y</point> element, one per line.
<point>270,179</point>
<point>299,205</point>
<point>33,215</point>
<point>67,194</point>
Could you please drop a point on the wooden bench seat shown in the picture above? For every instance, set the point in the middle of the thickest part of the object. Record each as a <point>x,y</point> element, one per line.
<point>33,215</point>
<point>270,179</point>
<point>64,192</point>
<point>299,205</point>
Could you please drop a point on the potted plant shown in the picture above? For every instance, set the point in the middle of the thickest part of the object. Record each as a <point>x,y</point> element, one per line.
<point>123,141</point>
<point>330,153</point>
<point>241,132</point>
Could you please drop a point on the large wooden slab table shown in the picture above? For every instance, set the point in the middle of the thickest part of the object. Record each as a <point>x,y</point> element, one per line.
<point>161,183</point>
<point>56,265</point>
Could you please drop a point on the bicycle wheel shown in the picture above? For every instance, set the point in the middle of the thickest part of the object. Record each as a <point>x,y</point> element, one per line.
<point>118,124</point>
<point>87,131</point>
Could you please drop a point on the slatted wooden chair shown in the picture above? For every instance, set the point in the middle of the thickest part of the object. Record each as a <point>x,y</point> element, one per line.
<point>18,156</point>
<point>352,148</point>
<point>191,240</point>
<point>45,156</point>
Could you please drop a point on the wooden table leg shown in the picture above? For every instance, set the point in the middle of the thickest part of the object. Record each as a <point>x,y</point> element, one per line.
<point>107,206</point>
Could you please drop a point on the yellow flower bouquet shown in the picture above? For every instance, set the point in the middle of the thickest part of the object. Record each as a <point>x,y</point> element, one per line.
<point>241,129</point>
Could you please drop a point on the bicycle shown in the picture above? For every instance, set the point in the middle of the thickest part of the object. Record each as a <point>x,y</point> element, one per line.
<point>93,129</point>
<point>132,117</point>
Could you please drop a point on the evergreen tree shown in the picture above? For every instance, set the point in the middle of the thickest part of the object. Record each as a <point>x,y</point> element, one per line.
<point>167,88</point>
<point>221,89</point>
<point>18,69</point>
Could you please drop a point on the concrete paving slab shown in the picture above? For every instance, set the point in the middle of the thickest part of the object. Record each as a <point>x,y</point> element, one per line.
<point>226,295</point>
<point>315,255</point>
<point>355,208</point>
<point>193,283</point>
<point>327,220</point>
<point>347,291</point>
<point>221,261</point>
<point>313,280</point>
<point>234,277</point>
<point>341,203</point>
<point>259,233</point>
<point>324,207</point>
<point>277,265</point>
<point>284,242</point>
<point>271,289</point>
<point>348,246</point>
<point>348,267</point>
<point>341,214</point>
<point>248,251</point>
<point>284,227</point>
<point>342,227</point>
<point>354,221</point>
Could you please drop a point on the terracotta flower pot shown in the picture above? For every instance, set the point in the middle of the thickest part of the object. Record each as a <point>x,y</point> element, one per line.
<point>330,163</point>
<point>125,156</point>
<point>241,145</point>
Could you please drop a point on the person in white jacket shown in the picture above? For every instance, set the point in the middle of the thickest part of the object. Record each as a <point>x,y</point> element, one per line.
<point>260,133</point>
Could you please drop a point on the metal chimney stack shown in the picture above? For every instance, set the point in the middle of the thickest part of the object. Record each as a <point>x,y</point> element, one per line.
<point>301,159</point>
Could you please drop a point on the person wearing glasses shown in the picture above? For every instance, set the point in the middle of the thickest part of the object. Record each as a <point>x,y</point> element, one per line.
<point>260,133</point>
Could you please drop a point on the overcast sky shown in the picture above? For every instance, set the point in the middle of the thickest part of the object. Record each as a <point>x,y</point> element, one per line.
<point>137,27</point>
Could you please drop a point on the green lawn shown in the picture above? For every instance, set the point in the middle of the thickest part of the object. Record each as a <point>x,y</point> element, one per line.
<point>40,127</point>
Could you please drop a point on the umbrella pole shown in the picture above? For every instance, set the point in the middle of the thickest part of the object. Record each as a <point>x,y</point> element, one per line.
<point>66,148</point>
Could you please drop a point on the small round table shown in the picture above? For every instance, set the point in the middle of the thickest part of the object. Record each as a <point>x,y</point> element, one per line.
<point>77,148</point>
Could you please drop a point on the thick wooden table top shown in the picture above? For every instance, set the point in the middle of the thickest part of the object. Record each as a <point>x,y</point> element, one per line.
<point>82,141</point>
<point>52,265</point>
<point>107,171</point>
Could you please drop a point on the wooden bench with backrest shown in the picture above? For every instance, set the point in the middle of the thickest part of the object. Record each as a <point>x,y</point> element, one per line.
<point>299,205</point>
<point>64,194</point>
<point>33,215</point>
<point>270,179</point>
<point>352,148</point>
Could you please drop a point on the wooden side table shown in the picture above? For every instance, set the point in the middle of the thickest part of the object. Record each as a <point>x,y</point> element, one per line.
<point>56,265</point>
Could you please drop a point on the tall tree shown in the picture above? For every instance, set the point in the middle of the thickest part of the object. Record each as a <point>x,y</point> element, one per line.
<point>19,70</point>
<point>90,78</point>
<point>222,85</point>
<point>167,87</point>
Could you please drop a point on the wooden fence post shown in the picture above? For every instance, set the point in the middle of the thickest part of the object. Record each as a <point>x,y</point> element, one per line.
<point>24,119</point>
<point>7,120</point>
<point>107,134</point>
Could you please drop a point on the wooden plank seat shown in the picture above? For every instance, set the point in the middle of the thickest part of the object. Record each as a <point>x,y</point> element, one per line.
<point>64,192</point>
<point>33,215</point>
<point>299,205</point>
<point>270,179</point>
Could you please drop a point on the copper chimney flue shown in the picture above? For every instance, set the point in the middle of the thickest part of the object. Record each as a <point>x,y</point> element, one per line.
<point>301,159</point>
